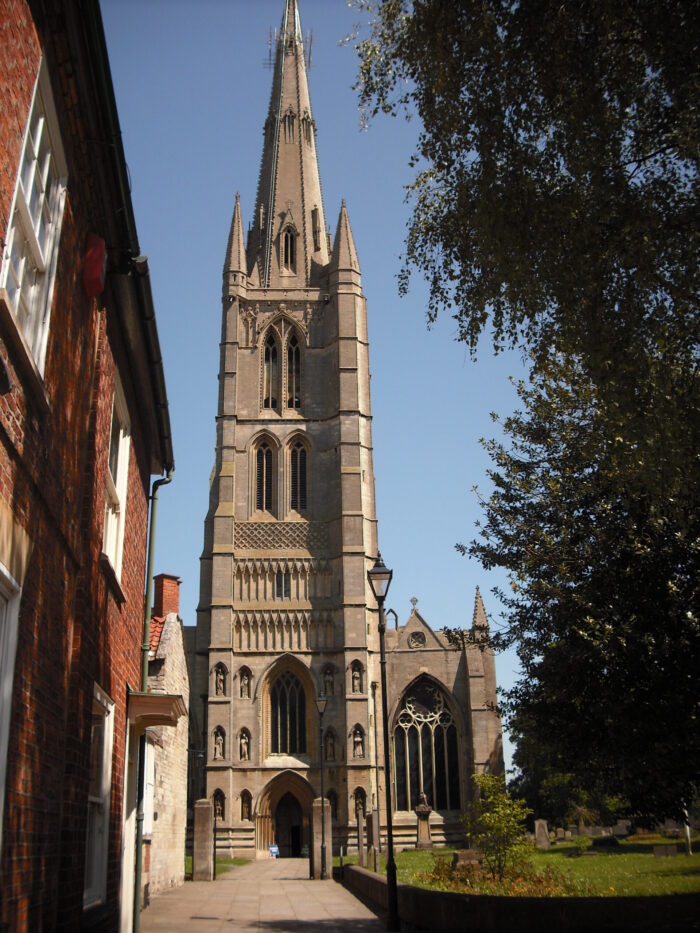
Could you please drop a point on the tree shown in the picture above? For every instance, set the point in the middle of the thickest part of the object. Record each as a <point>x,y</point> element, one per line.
<point>600,540</point>
<point>556,203</point>
<point>496,823</point>
<point>557,191</point>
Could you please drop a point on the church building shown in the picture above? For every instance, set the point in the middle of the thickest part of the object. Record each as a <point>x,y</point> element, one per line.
<point>286,615</point>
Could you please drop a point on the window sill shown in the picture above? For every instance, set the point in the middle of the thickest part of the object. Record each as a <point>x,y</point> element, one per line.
<point>112,579</point>
<point>21,355</point>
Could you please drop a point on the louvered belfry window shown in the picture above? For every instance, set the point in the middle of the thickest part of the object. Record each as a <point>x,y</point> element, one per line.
<point>270,373</point>
<point>263,478</point>
<point>287,716</point>
<point>293,373</point>
<point>298,465</point>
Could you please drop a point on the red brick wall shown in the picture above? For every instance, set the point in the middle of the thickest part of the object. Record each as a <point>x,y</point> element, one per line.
<point>77,626</point>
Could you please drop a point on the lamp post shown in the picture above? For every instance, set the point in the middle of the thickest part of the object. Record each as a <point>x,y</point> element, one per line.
<point>379,579</point>
<point>321,707</point>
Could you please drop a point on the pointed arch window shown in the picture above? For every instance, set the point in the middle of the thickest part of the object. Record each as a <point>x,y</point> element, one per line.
<point>289,250</point>
<point>426,750</point>
<point>263,478</point>
<point>293,373</point>
<point>298,477</point>
<point>270,370</point>
<point>287,716</point>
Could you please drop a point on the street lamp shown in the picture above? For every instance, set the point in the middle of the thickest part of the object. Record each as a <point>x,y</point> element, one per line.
<point>321,707</point>
<point>379,579</point>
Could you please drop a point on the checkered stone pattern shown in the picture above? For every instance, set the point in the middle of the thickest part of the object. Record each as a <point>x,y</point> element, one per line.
<point>264,536</point>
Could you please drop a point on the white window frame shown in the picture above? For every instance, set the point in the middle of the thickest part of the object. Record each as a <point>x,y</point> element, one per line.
<point>117,485</point>
<point>30,256</point>
<point>10,593</point>
<point>99,799</point>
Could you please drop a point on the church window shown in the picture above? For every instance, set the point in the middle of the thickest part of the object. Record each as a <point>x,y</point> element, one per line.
<point>287,716</point>
<point>298,477</point>
<point>283,587</point>
<point>263,478</point>
<point>270,372</point>
<point>289,250</point>
<point>293,373</point>
<point>426,750</point>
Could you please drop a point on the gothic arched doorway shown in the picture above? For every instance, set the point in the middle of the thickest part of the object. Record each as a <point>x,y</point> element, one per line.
<point>289,826</point>
<point>283,815</point>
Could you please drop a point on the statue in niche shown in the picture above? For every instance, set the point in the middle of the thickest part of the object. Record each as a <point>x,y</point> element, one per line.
<point>244,746</point>
<point>245,685</point>
<point>218,745</point>
<point>245,807</point>
<point>219,682</point>
<point>330,746</point>
<point>218,807</point>
<point>358,744</point>
<point>328,682</point>
<point>356,680</point>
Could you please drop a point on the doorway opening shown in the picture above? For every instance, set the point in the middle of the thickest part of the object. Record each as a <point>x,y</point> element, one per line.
<point>288,826</point>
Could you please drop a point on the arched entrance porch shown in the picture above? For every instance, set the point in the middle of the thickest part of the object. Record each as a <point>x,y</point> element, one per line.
<point>283,815</point>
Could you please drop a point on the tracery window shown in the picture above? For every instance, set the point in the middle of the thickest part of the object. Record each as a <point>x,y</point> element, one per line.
<point>287,716</point>
<point>270,372</point>
<point>293,373</point>
<point>283,584</point>
<point>426,750</point>
<point>263,478</point>
<point>298,477</point>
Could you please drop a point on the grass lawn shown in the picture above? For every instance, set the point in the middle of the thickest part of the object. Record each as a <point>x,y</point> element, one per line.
<point>223,864</point>
<point>630,869</point>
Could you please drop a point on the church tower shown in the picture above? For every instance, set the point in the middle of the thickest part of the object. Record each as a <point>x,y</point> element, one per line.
<point>286,615</point>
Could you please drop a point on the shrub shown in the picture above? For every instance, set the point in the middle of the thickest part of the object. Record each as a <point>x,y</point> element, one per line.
<point>495,824</point>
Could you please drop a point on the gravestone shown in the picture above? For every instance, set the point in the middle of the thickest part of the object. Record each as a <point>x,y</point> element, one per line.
<point>541,835</point>
<point>203,843</point>
<point>372,826</point>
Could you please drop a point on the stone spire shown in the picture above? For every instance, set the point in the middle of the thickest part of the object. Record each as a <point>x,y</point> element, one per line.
<point>235,269</point>
<point>287,240</point>
<point>344,258</point>
<point>479,620</point>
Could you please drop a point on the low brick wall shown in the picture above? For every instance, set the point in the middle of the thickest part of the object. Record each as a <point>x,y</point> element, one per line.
<point>422,910</point>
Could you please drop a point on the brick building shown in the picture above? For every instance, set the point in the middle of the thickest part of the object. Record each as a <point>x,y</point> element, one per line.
<point>286,615</point>
<point>84,424</point>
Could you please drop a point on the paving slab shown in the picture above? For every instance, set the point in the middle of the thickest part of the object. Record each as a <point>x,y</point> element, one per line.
<point>265,896</point>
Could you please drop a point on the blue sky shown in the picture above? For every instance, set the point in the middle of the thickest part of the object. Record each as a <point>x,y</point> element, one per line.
<point>192,89</point>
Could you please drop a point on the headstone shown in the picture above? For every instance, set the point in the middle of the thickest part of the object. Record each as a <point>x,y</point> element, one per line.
<point>316,835</point>
<point>541,835</point>
<point>567,835</point>
<point>423,811</point>
<point>466,857</point>
<point>203,843</point>
<point>560,834</point>
<point>665,849</point>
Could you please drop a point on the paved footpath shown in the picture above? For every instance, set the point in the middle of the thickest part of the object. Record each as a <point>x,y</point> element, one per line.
<point>266,896</point>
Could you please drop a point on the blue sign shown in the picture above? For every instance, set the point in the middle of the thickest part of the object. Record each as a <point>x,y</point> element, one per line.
<point>274,851</point>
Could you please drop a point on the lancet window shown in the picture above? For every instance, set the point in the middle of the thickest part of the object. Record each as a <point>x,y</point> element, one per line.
<point>264,474</point>
<point>426,749</point>
<point>289,250</point>
<point>293,372</point>
<point>270,372</point>
<point>298,471</point>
